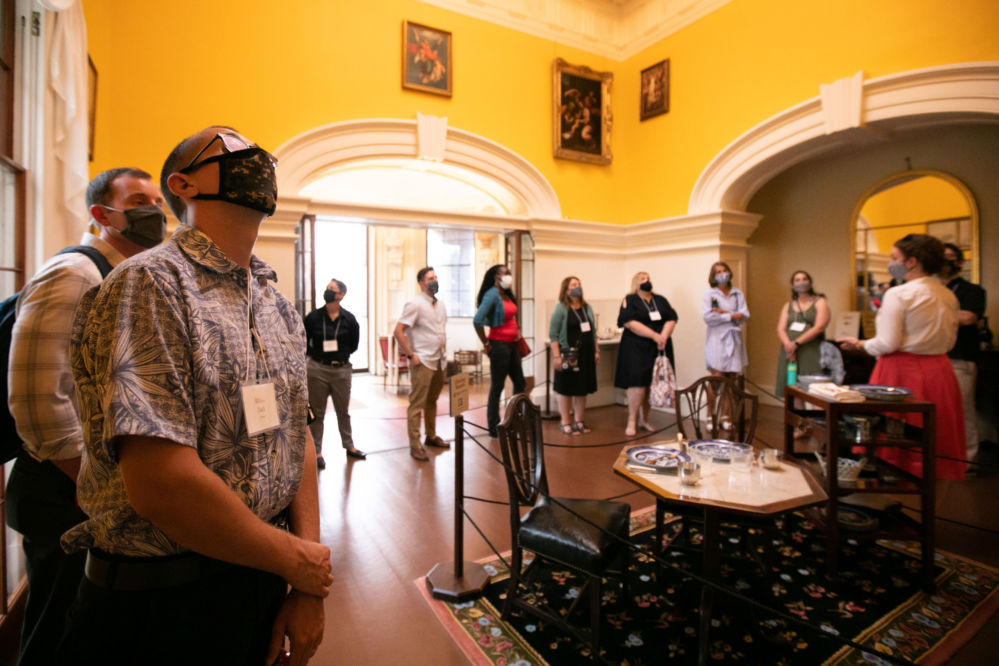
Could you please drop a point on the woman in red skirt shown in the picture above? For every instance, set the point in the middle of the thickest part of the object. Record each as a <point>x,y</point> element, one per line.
<point>916,326</point>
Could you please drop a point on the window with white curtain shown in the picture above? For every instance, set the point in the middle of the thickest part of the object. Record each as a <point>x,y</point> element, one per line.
<point>452,254</point>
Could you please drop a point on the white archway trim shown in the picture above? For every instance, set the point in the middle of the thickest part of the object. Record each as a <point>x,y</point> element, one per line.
<point>309,155</point>
<point>961,92</point>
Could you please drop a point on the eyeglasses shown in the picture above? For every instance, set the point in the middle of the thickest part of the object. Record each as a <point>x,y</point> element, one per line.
<point>230,144</point>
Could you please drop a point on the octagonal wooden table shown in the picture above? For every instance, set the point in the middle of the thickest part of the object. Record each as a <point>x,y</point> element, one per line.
<point>757,493</point>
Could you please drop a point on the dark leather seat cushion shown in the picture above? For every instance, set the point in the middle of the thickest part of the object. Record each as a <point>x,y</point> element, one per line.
<point>551,531</point>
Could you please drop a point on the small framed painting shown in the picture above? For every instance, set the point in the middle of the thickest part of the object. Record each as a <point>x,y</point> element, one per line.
<point>581,116</point>
<point>655,90</point>
<point>426,59</point>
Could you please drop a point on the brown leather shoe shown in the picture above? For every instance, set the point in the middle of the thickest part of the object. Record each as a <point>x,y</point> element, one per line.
<point>419,453</point>
<point>437,442</point>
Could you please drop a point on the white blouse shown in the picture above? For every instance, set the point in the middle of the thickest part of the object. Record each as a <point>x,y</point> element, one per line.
<point>919,317</point>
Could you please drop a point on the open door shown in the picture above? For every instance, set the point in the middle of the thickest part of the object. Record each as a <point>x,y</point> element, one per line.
<point>305,265</point>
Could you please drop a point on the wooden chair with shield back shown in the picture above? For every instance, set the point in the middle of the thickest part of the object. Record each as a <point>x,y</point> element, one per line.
<point>587,536</point>
<point>711,408</point>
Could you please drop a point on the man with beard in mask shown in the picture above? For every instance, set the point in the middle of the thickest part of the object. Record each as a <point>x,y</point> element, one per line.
<point>200,475</point>
<point>333,335</point>
<point>126,211</point>
<point>964,354</point>
<point>421,334</point>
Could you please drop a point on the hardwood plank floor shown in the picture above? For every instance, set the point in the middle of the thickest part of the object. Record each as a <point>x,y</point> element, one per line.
<point>389,519</point>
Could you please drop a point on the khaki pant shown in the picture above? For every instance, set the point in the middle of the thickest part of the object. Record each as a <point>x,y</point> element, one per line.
<point>324,382</point>
<point>966,372</point>
<point>426,389</point>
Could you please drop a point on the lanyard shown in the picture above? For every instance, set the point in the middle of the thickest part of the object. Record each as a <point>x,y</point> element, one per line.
<point>652,299</point>
<point>253,333</point>
<point>336,333</point>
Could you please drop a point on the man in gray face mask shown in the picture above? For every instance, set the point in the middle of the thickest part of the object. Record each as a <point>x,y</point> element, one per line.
<point>125,205</point>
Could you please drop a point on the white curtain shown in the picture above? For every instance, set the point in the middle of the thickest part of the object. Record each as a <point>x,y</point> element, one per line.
<point>66,174</point>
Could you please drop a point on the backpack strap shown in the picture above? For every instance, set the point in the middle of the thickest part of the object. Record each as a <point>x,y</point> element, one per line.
<point>102,263</point>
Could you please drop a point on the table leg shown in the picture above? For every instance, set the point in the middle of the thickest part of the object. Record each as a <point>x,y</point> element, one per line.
<point>711,566</point>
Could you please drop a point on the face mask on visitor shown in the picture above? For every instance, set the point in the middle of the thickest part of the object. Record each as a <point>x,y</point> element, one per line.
<point>506,281</point>
<point>802,287</point>
<point>246,178</point>
<point>576,292</point>
<point>144,225</point>
<point>329,296</point>
<point>646,286</point>
<point>897,270</point>
<point>433,287</point>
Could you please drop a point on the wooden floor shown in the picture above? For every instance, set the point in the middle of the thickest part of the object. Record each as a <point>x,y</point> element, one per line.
<point>389,519</point>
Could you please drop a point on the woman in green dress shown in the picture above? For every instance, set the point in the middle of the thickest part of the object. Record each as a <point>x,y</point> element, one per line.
<point>801,329</point>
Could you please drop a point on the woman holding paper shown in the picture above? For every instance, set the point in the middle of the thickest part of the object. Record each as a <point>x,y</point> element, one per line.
<point>801,329</point>
<point>916,326</point>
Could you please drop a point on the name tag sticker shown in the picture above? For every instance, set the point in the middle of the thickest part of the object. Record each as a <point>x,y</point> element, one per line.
<point>330,346</point>
<point>797,326</point>
<point>260,408</point>
<point>655,316</point>
<point>584,326</point>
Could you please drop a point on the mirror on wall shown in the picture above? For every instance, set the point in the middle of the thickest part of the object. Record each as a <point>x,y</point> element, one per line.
<point>924,202</point>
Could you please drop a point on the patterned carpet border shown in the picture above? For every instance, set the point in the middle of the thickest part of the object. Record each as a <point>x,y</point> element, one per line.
<point>921,629</point>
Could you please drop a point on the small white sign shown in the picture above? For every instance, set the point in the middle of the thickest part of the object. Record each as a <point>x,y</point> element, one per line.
<point>330,346</point>
<point>459,393</point>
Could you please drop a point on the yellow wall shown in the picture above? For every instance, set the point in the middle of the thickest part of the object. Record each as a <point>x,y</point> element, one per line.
<point>275,69</point>
<point>916,201</point>
<point>752,59</point>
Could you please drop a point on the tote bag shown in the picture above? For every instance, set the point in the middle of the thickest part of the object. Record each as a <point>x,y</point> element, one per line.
<point>662,390</point>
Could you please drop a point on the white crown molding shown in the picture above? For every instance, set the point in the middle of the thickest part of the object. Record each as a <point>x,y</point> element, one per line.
<point>947,94</point>
<point>615,29</point>
<point>310,155</point>
<point>684,233</point>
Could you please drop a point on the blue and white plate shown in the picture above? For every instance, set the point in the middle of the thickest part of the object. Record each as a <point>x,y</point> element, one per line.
<point>718,449</point>
<point>882,392</point>
<point>656,456</point>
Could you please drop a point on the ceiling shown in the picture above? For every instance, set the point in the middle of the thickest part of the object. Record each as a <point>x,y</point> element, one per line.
<point>615,29</point>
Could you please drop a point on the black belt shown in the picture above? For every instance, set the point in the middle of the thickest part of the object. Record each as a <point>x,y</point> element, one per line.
<point>335,364</point>
<point>119,572</point>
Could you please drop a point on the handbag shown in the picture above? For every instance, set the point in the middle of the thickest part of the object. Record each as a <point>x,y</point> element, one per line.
<point>523,347</point>
<point>663,388</point>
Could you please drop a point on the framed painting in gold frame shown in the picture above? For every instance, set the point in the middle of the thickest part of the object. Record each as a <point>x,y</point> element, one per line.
<point>426,59</point>
<point>655,90</point>
<point>581,113</point>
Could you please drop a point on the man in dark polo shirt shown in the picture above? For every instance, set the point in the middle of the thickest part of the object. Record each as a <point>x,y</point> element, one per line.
<point>964,354</point>
<point>332,335</point>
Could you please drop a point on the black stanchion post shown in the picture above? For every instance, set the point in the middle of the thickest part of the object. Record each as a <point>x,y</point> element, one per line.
<point>458,580</point>
<point>547,412</point>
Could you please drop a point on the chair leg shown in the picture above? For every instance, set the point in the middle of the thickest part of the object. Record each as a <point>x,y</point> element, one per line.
<point>516,558</point>
<point>660,517</point>
<point>596,595</point>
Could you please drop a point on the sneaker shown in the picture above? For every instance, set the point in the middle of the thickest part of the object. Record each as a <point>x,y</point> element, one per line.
<point>419,453</point>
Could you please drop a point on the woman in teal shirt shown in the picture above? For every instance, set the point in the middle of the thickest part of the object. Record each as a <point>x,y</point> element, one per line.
<point>575,354</point>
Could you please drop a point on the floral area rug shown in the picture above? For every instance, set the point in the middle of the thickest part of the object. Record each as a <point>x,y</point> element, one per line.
<point>877,603</point>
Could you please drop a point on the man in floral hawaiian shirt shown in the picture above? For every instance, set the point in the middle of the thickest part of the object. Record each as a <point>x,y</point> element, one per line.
<point>192,385</point>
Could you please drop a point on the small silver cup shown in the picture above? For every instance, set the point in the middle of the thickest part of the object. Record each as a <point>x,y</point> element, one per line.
<point>690,473</point>
<point>771,458</point>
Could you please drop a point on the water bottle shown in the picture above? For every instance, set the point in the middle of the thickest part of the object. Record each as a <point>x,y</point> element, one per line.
<point>792,372</point>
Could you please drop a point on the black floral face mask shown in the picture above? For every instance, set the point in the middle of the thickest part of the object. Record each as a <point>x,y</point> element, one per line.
<point>246,178</point>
